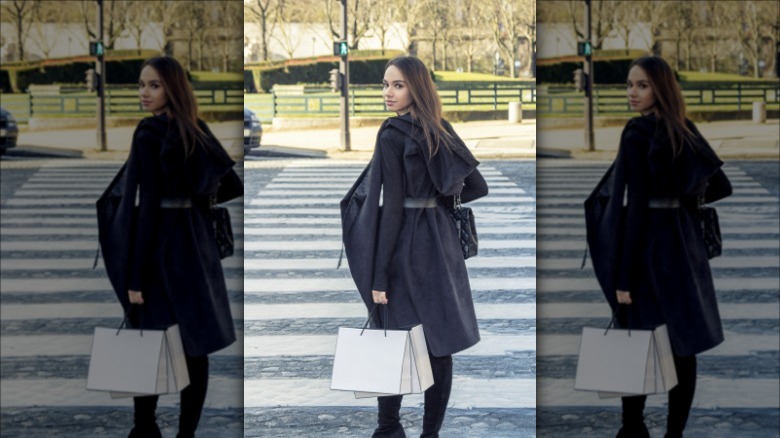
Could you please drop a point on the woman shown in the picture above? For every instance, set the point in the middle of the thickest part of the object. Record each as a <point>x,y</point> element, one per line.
<point>407,255</point>
<point>159,244</point>
<point>655,270</point>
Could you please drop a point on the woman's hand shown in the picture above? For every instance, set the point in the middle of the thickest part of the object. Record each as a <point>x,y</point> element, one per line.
<point>135,297</point>
<point>379,297</point>
<point>623,297</point>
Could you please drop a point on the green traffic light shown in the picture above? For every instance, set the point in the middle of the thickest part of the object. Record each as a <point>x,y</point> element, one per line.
<point>343,48</point>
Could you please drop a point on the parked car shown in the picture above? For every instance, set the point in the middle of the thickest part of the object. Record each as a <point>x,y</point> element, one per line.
<point>253,131</point>
<point>9,131</point>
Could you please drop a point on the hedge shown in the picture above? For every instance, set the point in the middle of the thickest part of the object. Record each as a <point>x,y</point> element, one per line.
<point>606,71</point>
<point>118,71</point>
<point>368,70</point>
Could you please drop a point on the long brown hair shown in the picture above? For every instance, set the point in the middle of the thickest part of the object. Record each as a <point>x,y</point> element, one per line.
<point>425,108</point>
<point>669,101</point>
<point>182,106</point>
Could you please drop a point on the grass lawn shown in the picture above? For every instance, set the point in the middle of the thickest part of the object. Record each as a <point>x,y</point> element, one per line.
<point>706,77</point>
<point>453,76</point>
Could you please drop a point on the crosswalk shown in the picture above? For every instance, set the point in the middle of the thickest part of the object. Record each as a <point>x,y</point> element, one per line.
<point>295,299</point>
<point>52,299</point>
<point>738,379</point>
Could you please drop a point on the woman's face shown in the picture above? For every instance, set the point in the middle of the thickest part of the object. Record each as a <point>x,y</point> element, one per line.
<point>151,91</point>
<point>395,90</point>
<point>640,93</point>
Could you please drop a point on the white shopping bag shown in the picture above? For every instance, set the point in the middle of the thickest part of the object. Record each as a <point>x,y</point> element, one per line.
<point>134,362</point>
<point>618,362</point>
<point>378,362</point>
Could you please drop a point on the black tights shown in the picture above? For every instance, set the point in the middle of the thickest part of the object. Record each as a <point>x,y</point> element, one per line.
<point>680,400</point>
<point>436,399</point>
<point>192,399</point>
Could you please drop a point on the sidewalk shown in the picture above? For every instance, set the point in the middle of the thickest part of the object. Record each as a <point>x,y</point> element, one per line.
<point>82,143</point>
<point>731,140</point>
<point>487,139</point>
<point>494,139</point>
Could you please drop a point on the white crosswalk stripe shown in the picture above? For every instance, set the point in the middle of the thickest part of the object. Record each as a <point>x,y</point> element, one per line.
<point>49,238</point>
<point>746,281</point>
<point>293,220</point>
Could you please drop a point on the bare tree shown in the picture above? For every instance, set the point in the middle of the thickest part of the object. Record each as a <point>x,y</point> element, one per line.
<point>358,16</point>
<point>654,14</point>
<point>410,16</point>
<point>191,21</point>
<point>226,30</point>
<point>681,25</point>
<point>285,33</point>
<point>627,16</point>
<point>474,15</point>
<point>713,41</point>
<point>114,13</point>
<point>382,14</point>
<point>749,32</point>
<point>47,21</point>
<point>20,12</point>
<point>263,12</point>
<point>602,16</point>
<point>435,22</point>
<point>165,14</point>
<point>513,21</point>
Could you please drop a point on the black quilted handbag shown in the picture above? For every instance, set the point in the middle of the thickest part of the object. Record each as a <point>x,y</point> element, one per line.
<point>710,228</point>
<point>223,230</point>
<point>465,227</point>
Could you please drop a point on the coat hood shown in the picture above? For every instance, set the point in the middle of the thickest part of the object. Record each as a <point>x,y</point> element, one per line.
<point>450,165</point>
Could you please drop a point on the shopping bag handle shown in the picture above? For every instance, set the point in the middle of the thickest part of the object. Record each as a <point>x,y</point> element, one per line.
<point>123,324</point>
<point>373,310</point>
<point>614,318</point>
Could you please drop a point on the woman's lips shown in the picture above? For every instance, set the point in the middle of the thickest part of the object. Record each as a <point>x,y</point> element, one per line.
<point>389,102</point>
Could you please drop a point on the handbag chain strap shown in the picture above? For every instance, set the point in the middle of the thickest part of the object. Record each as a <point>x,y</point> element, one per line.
<point>373,310</point>
<point>456,202</point>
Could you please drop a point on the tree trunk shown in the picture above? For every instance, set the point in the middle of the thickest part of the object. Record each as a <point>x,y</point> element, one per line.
<point>20,41</point>
<point>264,26</point>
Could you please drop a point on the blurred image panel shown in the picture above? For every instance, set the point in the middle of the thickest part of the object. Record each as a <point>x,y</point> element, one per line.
<point>593,77</point>
<point>74,88</point>
<point>310,76</point>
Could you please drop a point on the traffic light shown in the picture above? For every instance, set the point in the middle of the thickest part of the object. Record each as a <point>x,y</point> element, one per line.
<point>91,80</point>
<point>584,48</point>
<point>340,48</point>
<point>96,48</point>
<point>580,80</point>
<point>335,80</point>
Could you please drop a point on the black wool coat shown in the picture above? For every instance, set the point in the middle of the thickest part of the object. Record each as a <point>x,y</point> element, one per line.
<point>425,277</point>
<point>658,254</point>
<point>170,254</point>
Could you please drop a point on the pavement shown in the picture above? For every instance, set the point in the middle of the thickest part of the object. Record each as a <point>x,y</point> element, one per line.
<point>493,139</point>
<point>740,139</point>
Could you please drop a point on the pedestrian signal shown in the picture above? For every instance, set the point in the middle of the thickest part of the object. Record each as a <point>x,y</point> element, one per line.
<point>340,48</point>
<point>584,48</point>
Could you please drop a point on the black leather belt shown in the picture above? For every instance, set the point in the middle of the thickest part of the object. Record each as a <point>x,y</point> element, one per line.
<point>663,203</point>
<point>420,203</point>
<point>175,203</point>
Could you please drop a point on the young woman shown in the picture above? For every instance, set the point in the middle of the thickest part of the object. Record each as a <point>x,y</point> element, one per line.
<point>407,255</point>
<point>160,249</point>
<point>654,270</point>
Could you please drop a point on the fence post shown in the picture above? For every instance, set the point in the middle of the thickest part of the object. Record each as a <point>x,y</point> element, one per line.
<point>495,96</point>
<point>273,103</point>
<point>739,96</point>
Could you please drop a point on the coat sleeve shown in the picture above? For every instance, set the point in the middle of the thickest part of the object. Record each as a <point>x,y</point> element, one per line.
<point>230,187</point>
<point>392,211</point>
<point>146,152</point>
<point>474,187</point>
<point>718,187</point>
<point>634,152</point>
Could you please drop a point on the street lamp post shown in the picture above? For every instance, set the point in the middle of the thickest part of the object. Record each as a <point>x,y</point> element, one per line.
<point>100,68</point>
<point>344,70</point>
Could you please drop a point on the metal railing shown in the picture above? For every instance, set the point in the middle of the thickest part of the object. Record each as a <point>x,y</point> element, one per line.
<point>122,101</point>
<point>612,99</point>
<point>366,101</point>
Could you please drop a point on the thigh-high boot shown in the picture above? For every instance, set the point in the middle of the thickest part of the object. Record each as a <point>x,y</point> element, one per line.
<point>389,418</point>
<point>633,418</point>
<point>681,396</point>
<point>437,396</point>
<point>144,419</point>
<point>193,396</point>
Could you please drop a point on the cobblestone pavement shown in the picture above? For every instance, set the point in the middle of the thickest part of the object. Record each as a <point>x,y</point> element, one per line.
<point>295,300</point>
<point>52,299</point>
<point>737,390</point>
